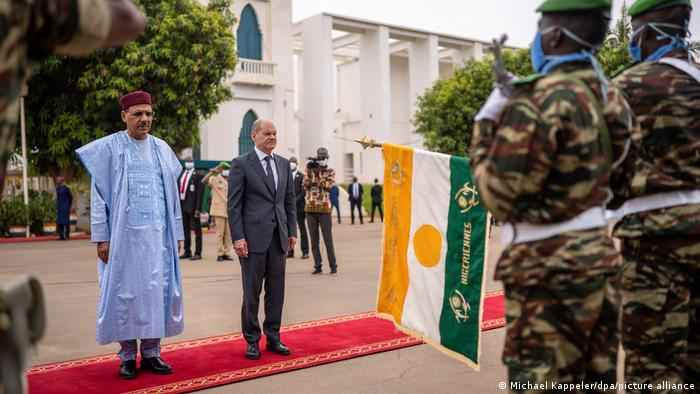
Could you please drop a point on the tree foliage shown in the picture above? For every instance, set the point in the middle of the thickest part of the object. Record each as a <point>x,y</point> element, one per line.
<point>183,60</point>
<point>446,111</point>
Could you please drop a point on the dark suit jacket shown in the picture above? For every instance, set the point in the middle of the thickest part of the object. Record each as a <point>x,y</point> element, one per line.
<point>299,191</point>
<point>254,208</point>
<point>193,195</point>
<point>377,193</point>
<point>351,197</point>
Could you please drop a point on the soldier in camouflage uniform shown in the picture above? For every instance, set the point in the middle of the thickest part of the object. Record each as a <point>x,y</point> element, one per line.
<point>542,160</point>
<point>32,29</point>
<point>660,228</point>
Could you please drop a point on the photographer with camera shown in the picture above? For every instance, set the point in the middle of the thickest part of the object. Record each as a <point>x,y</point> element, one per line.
<point>317,185</point>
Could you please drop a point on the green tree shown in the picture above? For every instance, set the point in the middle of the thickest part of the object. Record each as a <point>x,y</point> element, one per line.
<point>445,114</point>
<point>183,60</point>
<point>446,111</point>
<point>614,55</point>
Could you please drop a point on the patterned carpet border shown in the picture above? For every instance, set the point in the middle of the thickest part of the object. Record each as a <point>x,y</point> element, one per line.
<point>270,369</point>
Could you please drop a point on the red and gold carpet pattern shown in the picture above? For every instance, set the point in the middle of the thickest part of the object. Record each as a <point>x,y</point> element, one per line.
<point>215,361</point>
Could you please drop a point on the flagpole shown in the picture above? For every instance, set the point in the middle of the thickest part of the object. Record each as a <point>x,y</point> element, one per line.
<point>25,162</point>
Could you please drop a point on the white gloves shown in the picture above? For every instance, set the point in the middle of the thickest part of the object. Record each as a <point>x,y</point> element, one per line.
<point>494,106</point>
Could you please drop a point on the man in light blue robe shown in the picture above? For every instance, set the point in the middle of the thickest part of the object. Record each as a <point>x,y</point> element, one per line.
<point>136,222</point>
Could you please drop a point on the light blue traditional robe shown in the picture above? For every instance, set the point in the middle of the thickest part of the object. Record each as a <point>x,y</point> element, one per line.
<point>136,207</point>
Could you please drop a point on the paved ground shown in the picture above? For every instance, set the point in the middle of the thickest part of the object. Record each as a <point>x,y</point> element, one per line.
<point>212,307</point>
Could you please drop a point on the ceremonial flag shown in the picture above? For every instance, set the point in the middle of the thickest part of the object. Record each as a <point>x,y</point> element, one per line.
<point>434,246</point>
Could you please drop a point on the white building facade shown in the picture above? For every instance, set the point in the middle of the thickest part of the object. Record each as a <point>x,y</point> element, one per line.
<point>326,81</point>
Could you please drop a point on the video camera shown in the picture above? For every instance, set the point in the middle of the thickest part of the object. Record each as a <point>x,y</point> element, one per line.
<point>313,163</point>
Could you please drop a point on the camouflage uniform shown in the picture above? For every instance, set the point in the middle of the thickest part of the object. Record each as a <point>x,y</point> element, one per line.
<point>547,161</point>
<point>29,31</point>
<point>661,248</point>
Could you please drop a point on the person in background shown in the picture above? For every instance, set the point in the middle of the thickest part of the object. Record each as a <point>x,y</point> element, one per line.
<point>217,179</point>
<point>377,200</point>
<point>335,202</point>
<point>299,194</point>
<point>191,191</point>
<point>317,184</point>
<point>355,197</point>
<point>64,201</point>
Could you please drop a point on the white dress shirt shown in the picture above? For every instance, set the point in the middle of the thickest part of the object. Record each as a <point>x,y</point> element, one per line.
<point>261,156</point>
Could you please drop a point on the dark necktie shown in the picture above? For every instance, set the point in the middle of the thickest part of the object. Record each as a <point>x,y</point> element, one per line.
<point>269,177</point>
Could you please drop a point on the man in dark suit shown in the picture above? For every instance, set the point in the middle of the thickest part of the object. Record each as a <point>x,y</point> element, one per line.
<point>191,191</point>
<point>355,196</point>
<point>377,200</point>
<point>298,177</point>
<point>262,214</point>
<point>64,201</point>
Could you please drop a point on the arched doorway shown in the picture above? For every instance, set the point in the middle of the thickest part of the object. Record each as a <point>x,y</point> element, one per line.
<point>248,36</point>
<point>245,143</point>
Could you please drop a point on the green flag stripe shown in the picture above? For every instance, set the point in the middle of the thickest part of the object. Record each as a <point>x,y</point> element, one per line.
<point>464,268</point>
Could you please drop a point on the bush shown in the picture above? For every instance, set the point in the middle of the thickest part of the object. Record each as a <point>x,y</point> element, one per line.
<point>13,212</point>
<point>42,210</point>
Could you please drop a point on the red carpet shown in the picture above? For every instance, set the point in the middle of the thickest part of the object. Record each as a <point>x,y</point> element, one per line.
<point>215,361</point>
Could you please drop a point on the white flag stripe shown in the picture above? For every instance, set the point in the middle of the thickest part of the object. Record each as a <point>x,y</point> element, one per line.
<point>430,203</point>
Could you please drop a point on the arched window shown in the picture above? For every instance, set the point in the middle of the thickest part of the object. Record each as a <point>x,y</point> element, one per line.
<point>248,35</point>
<point>245,143</point>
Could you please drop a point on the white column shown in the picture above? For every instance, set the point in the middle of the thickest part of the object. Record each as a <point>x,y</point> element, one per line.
<point>423,70</point>
<point>282,57</point>
<point>476,52</point>
<point>460,56</point>
<point>318,98</point>
<point>375,87</point>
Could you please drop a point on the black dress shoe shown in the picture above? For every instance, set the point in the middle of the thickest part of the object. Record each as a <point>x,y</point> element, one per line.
<point>252,352</point>
<point>334,271</point>
<point>305,256</point>
<point>127,370</point>
<point>220,258</point>
<point>185,256</point>
<point>316,272</point>
<point>279,348</point>
<point>196,257</point>
<point>290,255</point>
<point>156,365</point>
<point>227,257</point>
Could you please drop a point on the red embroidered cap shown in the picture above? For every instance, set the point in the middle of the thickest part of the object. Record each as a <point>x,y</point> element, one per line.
<point>134,98</point>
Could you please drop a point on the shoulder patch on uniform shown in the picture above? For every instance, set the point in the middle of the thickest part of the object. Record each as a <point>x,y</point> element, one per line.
<point>527,80</point>
<point>623,69</point>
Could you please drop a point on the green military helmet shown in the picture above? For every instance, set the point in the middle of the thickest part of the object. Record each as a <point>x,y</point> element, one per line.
<point>641,6</point>
<point>574,5</point>
<point>224,165</point>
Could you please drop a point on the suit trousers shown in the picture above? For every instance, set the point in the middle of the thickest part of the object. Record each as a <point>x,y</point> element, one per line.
<point>377,205</point>
<point>337,210</point>
<point>303,234</point>
<point>323,220</point>
<point>223,236</point>
<point>63,231</point>
<point>355,204</point>
<point>191,223</point>
<point>258,270</point>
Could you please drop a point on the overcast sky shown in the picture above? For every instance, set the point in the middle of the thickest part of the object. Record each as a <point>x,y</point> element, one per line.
<point>478,19</point>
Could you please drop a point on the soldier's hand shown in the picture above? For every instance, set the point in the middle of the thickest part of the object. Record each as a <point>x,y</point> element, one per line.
<point>241,248</point>
<point>180,244</point>
<point>196,214</point>
<point>292,243</point>
<point>103,251</point>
